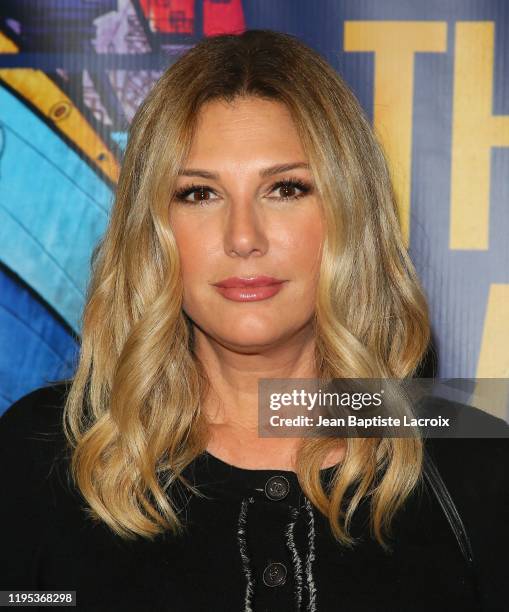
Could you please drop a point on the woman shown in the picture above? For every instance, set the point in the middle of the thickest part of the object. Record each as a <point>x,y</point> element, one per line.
<point>254,235</point>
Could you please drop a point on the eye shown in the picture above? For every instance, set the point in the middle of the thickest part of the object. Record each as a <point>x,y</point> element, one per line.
<point>201,190</point>
<point>201,193</point>
<point>288,188</point>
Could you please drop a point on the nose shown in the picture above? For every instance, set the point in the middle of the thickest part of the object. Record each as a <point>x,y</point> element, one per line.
<point>244,233</point>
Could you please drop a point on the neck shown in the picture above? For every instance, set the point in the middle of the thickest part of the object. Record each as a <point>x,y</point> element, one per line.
<point>234,372</point>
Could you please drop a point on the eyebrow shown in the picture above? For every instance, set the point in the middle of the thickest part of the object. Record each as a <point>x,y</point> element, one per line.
<point>264,172</point>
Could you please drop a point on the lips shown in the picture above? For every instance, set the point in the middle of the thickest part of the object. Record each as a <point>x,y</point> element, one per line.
<point>253,289</point>
<point>257,281</point>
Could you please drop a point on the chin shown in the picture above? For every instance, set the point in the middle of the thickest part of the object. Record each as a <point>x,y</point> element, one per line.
<point>249,332</point>
<point>245,335</point>
<point>250,345</point>
<point>251,338</point>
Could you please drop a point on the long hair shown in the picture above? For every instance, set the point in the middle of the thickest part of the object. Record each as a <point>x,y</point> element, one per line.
<point>132,415</point>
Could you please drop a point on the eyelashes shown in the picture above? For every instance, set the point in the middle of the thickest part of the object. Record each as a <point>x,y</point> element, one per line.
<point>305,188</point>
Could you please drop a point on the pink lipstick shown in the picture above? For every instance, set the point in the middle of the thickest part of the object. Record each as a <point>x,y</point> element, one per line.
<point>250,289</point>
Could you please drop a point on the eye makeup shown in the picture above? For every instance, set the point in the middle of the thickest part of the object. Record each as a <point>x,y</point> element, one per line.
<point>291,183</point>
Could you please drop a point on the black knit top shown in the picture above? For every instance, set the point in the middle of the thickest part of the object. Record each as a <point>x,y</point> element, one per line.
<point>254,542</point>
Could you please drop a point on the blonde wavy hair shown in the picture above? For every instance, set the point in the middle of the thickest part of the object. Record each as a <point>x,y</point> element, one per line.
<point>132,414</point>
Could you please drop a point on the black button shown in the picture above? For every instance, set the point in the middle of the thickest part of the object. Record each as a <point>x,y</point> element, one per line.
<point>277,487</point>
<point>274,574</point>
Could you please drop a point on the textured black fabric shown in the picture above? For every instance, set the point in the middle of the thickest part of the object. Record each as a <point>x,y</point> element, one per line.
<point>237,532</point>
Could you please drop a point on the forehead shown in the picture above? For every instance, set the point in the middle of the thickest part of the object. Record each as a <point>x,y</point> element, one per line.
<point>245,125</point>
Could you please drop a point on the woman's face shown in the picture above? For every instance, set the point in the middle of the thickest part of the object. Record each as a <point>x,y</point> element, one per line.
<point>238,214</point>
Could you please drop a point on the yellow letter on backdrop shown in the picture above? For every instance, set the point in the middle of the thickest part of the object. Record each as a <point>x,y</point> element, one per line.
<point>474,131</point>
<point>395,44</point>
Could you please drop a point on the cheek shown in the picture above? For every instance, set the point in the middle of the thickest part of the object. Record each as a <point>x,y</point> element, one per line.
<point>303,243</point>
<point>191,253</point>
